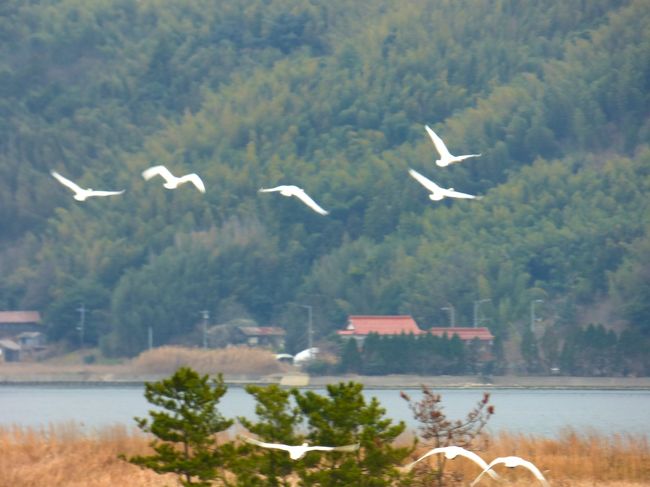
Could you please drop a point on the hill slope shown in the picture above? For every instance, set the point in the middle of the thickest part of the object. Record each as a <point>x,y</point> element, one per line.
<point>333,98</point>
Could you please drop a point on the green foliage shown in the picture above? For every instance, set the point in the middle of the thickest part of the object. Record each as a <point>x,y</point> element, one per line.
<point>351,360</point>
<point>344,417</point>
<point>332,97</point>
<point>184,427</point>
<point>407,354</point>
<point>277,421</point>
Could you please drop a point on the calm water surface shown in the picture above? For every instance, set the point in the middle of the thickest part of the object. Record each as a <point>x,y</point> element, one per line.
<point>540,412</point>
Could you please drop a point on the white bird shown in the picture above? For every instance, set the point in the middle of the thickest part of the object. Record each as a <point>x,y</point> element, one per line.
<point>446,157</point>
<point>512,462</point>
<point>452,452</point>
<point>171,181</point>
<point>437,192</point>
<point>298,451</point>
<point>80,194</point>
<point>290,190</point>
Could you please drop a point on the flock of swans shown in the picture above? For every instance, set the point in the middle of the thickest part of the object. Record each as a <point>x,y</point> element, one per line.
<point>296,452</point>
<point>437,193</point>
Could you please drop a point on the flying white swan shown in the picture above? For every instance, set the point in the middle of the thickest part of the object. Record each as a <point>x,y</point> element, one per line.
<point>80,194</point>
<point>446,157</point>
<point>437,192</point>
<point>512,462</point>
<point>298,451</point>
<point>290,190</point>
<point>452,452</point>
<point>171,181</point>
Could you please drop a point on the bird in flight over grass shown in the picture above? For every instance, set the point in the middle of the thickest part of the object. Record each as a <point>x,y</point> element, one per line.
<point>80,194</point>
<point>452,452</point>
<point>446,157</point>
<point>298,451</point>
<point>171,181</point>
<point>512,462</point>
<point>437,192</point>
<point>290,190</point>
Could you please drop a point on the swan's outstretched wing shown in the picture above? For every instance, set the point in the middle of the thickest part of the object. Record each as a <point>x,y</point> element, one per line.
<point>277,446</point>
<point>426,182</point>
<point>466,156</point>
<point>452,452</point>
<point>269,190</point>
<point>347,448</point>
<point>195,180</point>
<point>512,462</point>
<point>104,193</point>
<point>158,171</point>
<point>66,182</point>
<point>306,199</point>
<point>439,144</point>
<point>456,194</point>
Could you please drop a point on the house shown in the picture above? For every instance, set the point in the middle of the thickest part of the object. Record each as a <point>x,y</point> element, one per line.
<point>360,326</point>
<point>13,323</point>
<point>263,336</point>
<point>31,340</point>
<point>9,351</point>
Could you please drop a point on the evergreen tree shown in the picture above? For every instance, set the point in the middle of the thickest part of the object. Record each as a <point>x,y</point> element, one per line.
<point>350,357</point>
<point>185,428</point>
<point>344,417</point>
<point>277,420</point>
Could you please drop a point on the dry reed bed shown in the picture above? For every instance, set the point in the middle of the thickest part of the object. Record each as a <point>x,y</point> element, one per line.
<point>232,360</point>
<point>67,456</point>
<point>573,459</point>
<point>63,455</point>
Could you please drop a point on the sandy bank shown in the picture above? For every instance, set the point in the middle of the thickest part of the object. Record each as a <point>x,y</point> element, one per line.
<point>99,375</point>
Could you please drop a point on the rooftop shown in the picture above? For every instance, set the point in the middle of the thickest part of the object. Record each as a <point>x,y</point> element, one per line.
<point>10,317</point>
<point>382,325</point>
<point>261,330</point>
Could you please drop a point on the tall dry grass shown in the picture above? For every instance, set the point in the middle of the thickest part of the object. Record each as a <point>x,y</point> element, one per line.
<point>67,456</point>
<point>63,455</point>
<point>573,459</point>
<point>232,360</point>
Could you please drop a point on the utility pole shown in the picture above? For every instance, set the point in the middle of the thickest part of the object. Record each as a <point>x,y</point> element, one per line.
<point>477,305</point>
<point>532,312</point>
<point>452,314</point>
<point>150,337</point>
<point>310,327</point>
<point>206,317</point>
<point>82,324</point>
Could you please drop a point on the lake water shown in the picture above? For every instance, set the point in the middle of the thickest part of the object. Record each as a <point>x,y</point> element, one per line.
<point>539,412</point>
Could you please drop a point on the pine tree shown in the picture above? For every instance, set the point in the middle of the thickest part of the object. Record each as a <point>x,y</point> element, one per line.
<point>184,427</point>
<point>345,417</point>
<point>277,421</point>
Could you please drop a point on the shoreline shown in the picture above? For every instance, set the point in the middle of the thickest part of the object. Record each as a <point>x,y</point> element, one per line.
<point>89,377</point>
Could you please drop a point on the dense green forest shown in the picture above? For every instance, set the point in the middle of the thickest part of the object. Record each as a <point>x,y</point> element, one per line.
<point>331,96</point>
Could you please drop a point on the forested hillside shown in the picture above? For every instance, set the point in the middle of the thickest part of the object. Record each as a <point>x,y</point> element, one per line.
<point>331,96</point>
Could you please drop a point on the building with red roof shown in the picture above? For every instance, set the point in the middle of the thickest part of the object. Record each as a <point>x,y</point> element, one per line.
<point>360,326</point>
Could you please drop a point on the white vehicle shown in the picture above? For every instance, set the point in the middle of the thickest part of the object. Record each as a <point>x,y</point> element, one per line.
<point>305,356</point>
